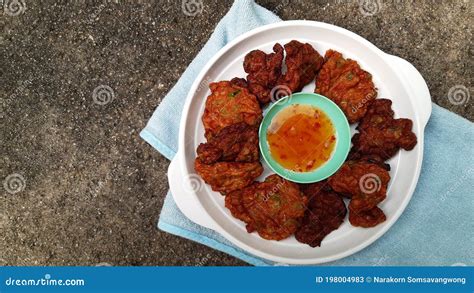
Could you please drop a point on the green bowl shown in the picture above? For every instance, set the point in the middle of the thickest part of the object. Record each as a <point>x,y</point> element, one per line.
<point>341,126</point>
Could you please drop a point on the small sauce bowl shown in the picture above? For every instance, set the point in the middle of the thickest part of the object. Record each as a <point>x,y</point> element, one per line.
<point>342,136</point>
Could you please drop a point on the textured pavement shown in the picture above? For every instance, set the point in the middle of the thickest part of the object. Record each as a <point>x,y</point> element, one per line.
<point>89,189</point>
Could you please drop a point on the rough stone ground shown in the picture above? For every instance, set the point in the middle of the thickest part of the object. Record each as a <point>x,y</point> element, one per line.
<point>93,189</point>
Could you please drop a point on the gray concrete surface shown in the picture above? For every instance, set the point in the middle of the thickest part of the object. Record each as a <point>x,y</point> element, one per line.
<point>92,190</point>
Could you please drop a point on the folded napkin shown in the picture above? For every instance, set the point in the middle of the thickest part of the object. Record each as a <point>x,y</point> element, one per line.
<point>436,227</point>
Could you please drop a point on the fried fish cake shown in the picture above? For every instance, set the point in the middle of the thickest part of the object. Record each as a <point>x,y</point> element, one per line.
<point>379,113</point>
<point>375,159</point>
<point>368,200</point>
<point>344,82</point>
<point>238,81</point>
<point>274,208</point>
<point>233,201</point>
<point>326,212</point>
<point>225,177</point>
<point>302,63</point>
<point>367,219</point>
<point>263,72</point>
<point>229,104</point>
<point>364,182</point>
<point>237,142</point>
<point>311,189</point>
<point>382,135</point>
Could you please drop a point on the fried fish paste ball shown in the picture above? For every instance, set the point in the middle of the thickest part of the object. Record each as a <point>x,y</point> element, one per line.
<point>263,72</point>
<point>344,82</point>
<point>303,63</point>
<point>326,212</point>
<point>229,104</point>
<point>365,183</point>
<point>367,219</point>
<point>382,135</point>
<point>274,208</point>
<point>225,177</point>
<point>237,142</point>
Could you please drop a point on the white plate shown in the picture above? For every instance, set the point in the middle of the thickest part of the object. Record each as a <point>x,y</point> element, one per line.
<point>395,79</point>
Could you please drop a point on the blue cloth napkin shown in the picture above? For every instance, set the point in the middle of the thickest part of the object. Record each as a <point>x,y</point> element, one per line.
<point>436,227</point>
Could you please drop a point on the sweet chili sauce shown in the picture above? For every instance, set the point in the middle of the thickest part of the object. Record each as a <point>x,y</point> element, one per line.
<point>301,138</point>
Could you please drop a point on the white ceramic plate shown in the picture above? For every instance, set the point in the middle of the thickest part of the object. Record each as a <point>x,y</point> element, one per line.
<point>395,79</point>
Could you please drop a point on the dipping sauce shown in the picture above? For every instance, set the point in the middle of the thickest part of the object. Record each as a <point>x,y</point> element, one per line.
<point>301,138</point>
